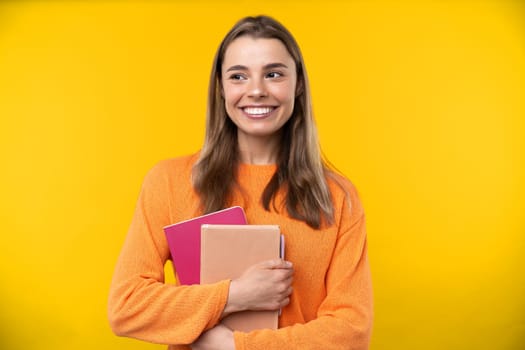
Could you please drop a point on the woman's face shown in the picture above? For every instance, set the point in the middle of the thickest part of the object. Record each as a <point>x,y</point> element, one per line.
<point>259,83</point>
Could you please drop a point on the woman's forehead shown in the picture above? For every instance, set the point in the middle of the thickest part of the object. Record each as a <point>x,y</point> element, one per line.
<point>249,51</point>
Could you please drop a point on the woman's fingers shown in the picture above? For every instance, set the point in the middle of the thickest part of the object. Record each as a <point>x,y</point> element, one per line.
<point>275,264</point>
<point>264,286</point>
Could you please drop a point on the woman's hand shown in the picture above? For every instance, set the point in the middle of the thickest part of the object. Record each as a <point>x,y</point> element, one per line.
<point>264,286</point>
<point>219,337</point>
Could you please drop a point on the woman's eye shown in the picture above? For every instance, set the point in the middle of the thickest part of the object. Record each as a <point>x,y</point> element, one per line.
<point>274,75</point>
<point>236,77</point>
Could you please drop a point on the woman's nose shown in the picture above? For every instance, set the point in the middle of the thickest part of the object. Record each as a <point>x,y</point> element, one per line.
<point>257,88</point>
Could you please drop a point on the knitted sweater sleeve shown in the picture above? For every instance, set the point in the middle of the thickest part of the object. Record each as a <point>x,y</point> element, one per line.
<point>140,304</point>
<point>344,318</point>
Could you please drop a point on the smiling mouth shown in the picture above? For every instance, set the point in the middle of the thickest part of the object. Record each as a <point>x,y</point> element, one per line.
<point>258,111</point>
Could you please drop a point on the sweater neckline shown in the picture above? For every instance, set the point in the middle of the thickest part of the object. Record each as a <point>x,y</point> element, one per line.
<point>258,167</point>
<point>262,172</point>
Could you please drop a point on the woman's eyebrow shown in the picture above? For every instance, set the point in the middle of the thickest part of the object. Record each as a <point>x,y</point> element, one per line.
<point>267,66</point>
<point>237,67</point>
<point>275,65</point>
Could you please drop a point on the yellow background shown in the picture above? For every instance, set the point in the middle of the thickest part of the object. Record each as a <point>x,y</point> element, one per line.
<point>420,103</point>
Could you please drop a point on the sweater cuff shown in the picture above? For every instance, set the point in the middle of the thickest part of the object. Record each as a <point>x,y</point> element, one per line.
<point>222,298</point>
<point>240,340</point>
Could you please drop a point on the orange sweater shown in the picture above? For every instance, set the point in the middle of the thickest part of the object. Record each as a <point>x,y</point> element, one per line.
<point>331,303</point>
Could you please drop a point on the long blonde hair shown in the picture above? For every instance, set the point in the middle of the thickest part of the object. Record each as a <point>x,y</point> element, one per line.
<point>301,170</point>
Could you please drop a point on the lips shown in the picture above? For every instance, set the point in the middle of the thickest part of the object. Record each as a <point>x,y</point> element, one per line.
<point>257,111</point>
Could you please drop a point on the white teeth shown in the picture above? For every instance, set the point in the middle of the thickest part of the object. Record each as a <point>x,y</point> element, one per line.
<point>258,110</point>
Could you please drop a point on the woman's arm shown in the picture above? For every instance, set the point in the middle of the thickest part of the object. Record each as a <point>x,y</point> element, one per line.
<point>140,305</point>
<point>344,318</point>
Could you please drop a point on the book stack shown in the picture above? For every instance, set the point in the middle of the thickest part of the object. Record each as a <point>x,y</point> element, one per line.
<point>222,245</point>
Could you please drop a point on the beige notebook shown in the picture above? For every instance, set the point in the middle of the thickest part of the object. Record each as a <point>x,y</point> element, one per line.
<point>227,251</point>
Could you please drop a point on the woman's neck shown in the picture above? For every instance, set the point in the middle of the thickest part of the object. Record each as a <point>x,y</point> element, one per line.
<point>258,150</point>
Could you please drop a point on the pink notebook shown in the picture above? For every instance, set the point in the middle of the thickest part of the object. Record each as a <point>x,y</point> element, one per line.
<point>184,241</point>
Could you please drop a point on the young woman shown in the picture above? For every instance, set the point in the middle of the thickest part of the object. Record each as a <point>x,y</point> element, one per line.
<point>260,152</point>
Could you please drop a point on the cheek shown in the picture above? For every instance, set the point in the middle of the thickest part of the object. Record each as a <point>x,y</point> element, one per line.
<point>231,95</point>
<point>285,93</point>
